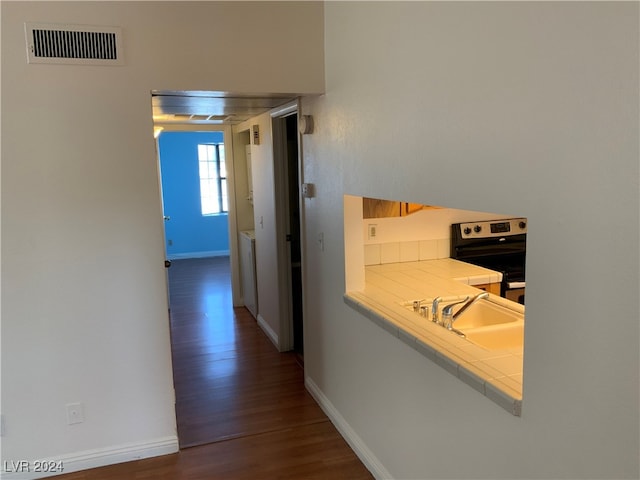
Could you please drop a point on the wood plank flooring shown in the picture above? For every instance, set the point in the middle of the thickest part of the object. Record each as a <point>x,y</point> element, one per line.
<point>241,407</point>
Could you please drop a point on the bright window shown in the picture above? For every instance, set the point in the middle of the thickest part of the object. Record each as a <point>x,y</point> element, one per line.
<point>213,179</point>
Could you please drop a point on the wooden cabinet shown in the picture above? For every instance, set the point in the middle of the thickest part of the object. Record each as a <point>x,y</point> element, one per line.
<point>489,287</point>
<point>376,208</point>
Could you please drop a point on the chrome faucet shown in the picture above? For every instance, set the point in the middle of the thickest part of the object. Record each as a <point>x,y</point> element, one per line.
<point>448,317</point>
<point>480,296</point>
<point>447,313</point>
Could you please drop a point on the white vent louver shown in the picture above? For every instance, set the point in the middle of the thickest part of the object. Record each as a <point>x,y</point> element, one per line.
<point>73,44</point>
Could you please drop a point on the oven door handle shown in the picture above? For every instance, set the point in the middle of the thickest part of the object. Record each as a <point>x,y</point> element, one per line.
<point>512,285</point>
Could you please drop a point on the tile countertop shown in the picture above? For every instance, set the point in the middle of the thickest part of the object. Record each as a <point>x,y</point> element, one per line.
<point>497,374</point>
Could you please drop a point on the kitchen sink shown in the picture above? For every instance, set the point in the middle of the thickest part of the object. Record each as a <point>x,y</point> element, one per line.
<point>484,313</point>
<point>488,323</point>
<point>492,326</point>
<point>497,337</point>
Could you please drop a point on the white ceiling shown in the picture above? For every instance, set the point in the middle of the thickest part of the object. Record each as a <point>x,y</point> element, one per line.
<point>202,107</point>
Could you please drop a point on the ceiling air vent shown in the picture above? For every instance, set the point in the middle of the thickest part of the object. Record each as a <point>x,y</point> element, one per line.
<point>73,44</point>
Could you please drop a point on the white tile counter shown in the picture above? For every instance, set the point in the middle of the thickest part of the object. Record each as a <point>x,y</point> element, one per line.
<point>497,374</point>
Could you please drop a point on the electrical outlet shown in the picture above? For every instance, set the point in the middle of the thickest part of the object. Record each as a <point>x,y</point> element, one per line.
<point>373,228</point>
<point>75,413</point>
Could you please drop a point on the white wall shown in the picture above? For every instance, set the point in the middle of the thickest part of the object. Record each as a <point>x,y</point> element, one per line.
<point>244,207</point>
<point>530,108</point>
<point>84,301</point>
<point>264,211</point>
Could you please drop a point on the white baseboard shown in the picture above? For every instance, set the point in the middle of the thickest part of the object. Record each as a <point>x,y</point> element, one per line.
<point>92,458</point>
<point>365,455</point>
<point>273,336</point>
<point>211,253</point>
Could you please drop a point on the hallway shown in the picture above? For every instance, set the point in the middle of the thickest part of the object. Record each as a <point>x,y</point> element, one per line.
<point>230,381</point>
<point>241,407</point>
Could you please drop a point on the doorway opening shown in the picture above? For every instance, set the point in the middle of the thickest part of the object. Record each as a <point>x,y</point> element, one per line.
<point>287,168</point>
<point>241,217</point>
<point>294,229</point>
<point>194,193</point>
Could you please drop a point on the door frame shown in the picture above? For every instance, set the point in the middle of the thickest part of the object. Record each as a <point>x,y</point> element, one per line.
<point>231,194</point>
<point>278,132</point>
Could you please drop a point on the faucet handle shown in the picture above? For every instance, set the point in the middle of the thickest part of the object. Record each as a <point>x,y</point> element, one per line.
<point>434,309</point>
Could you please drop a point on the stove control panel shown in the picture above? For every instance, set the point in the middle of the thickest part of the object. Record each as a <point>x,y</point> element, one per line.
<point>493,228</point>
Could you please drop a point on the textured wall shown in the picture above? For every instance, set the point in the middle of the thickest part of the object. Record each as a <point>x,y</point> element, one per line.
<point>84,305</point>
<point>520,107</point>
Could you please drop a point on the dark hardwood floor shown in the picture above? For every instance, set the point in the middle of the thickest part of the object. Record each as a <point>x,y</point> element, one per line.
<point>241,407</point>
